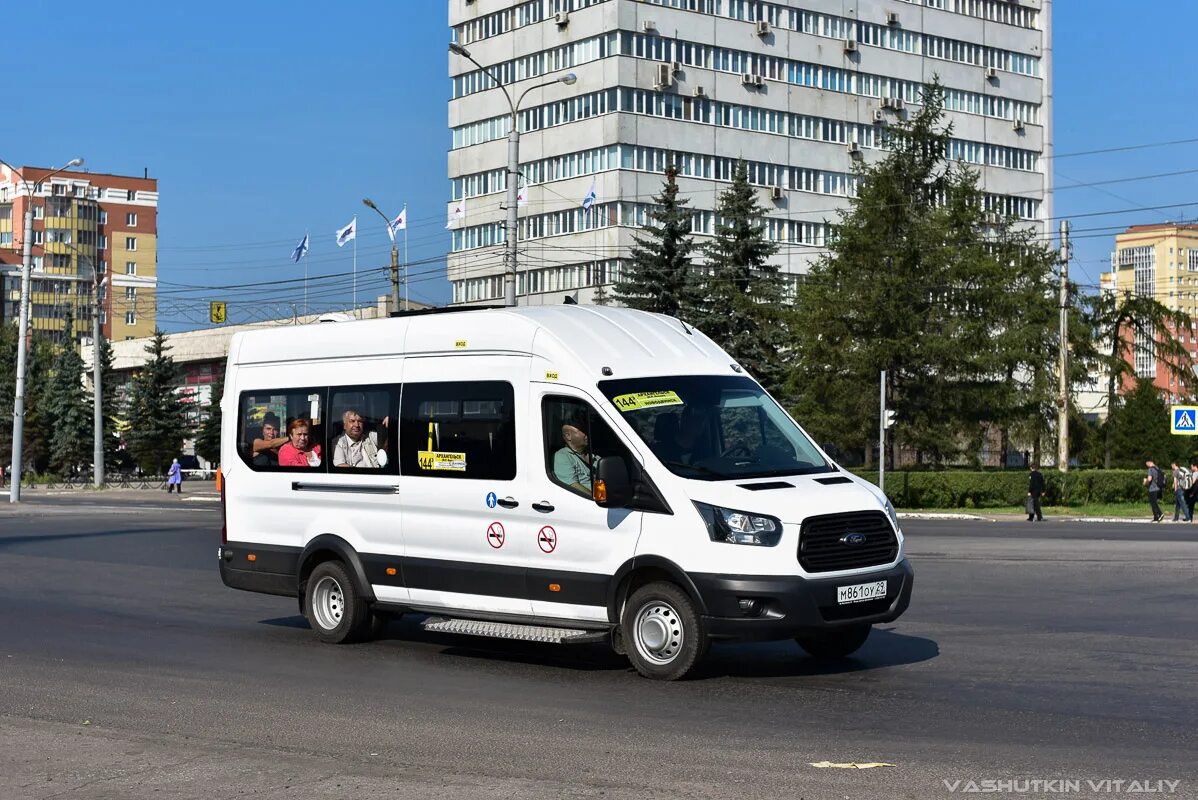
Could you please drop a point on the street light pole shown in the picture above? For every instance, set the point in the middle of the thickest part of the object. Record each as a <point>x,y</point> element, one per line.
<point>513,168</point>
<point>366,201</point>
<point>18,405</point>
<point>97,385</point>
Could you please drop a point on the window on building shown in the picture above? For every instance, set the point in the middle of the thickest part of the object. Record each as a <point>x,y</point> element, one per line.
<point>39,237</point>
<point>103,217</point>
<point>130,242</point>
<point>131,220</point>
<point>58,189</point>
<point>130,319</point>
<point>102,242</point>
<point>130,292</point>
<point>130,267</point>
<point>39,212</point>
<point>131,195</point>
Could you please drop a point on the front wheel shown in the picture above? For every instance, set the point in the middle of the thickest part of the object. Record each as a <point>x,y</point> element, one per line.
<point>838,643</point>
<point>333,606</point>
<point>662,632</point>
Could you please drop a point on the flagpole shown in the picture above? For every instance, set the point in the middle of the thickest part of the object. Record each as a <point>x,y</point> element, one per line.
<point>406,305</point>
<point>354,307</point>
<point>306,274</point>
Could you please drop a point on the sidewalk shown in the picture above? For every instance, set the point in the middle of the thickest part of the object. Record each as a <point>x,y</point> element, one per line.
<point>1002,516</point>
<point>198,491</point>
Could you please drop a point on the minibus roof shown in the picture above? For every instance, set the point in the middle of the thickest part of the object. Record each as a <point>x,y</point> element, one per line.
<point>575,342</point>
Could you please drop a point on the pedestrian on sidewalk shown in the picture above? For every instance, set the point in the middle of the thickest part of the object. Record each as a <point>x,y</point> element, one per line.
<point>1035,488</point>
<point>1155,481</point>
<point>174,478</point>
<point>1192,492</point>
<point>1181,483</point>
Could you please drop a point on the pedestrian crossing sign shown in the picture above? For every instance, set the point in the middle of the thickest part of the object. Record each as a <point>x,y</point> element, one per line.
<point>1185,420</point>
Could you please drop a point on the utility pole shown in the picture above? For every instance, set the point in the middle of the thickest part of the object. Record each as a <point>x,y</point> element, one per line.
<point>1063,396</point>
<point>394,275</point>
<point>882,435</point>
<point>97,387</point>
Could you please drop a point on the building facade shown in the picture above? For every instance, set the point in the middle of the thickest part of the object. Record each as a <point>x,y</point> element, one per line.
<point>800,90</point>
<point>83,223</point>
<point>1158,261</point>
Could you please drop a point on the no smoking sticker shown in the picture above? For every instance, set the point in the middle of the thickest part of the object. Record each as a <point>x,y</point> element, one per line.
<point>495,535</point>
<point>547,539</point>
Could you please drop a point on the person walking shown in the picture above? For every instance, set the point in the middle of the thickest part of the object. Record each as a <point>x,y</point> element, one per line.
<point>1192,491</point>
<point>174,477</point>
<point>1181,482</point>
<point>1155,481</point>
<point>1035,488</point>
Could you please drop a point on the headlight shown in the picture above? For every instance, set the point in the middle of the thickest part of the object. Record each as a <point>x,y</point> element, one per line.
<point>893,516</point>
<point>739,527</point>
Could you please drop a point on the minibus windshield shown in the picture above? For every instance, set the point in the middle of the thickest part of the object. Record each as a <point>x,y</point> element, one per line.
<point>714,427</point>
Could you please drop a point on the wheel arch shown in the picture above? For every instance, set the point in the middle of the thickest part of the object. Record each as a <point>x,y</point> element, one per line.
<point>641,570</point>
<point>330,547</point>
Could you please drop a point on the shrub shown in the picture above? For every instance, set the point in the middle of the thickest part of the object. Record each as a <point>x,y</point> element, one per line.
<point>1009,488</point>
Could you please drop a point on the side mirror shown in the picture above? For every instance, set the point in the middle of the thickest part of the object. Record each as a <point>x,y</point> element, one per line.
<point>611,486</point>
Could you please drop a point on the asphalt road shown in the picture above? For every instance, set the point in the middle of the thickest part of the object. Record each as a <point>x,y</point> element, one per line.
<point>1049,652</point>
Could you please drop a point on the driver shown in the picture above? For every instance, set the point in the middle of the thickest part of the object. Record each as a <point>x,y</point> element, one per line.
<point>572,463</point>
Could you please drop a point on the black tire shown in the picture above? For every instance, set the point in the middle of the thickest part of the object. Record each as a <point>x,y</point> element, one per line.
<point>838,643</point>
<point>334,608</point>
<point>662,632</point>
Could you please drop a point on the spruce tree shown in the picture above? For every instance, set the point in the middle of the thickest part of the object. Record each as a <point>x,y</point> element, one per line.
<point>110,404</point>
<point>743,294</point>
<point>157,414</point>
<point>208,437</point>
<point>659,276</point>
<point>69,414</point>
<point>38,420</point>
<point>8,387</point>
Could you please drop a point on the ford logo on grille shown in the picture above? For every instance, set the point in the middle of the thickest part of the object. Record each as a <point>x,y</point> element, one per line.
<point>853,538</point>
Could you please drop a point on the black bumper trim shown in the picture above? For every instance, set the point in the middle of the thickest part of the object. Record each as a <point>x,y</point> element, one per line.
<point>796,606</point>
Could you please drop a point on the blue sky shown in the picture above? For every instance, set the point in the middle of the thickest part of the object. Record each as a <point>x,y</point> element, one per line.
<point>263,120</point>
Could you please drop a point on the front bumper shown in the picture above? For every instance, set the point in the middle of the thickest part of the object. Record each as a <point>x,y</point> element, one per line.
<point>790,606</point>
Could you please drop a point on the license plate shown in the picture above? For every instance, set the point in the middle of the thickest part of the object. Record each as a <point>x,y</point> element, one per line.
<point>859,593</point>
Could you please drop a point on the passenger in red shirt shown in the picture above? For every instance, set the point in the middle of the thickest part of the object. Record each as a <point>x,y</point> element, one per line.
<point>299,451</point>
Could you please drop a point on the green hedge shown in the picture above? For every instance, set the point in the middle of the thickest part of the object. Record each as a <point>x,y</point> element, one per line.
<point>1009,488</point>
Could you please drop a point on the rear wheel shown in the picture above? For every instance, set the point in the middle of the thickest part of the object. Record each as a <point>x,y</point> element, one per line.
<point>333,606</point>
<point>662,632</point>
<point>838,643</point>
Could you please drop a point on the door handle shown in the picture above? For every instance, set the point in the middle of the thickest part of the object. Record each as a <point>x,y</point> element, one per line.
<point>544,506</point>
<point>507,502</point>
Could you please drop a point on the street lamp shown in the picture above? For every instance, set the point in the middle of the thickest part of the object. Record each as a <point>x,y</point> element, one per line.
<point>366,201</point>
<point>18,405</point>
<point>513,165</point>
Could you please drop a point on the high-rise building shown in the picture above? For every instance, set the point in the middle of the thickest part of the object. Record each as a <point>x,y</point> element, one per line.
<point>1158,261</point>
<point>799,89</point>
<point>82,221</point>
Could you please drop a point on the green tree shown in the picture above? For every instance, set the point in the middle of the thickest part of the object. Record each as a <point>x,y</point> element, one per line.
<point>157,414</point>
<point>1141,431</point>
<point>208,437</point>
<point>659,275</point>
<point>921,280</point>
<point>39,358</point>
<point>743,294</point>
<point>1128,324</point>
<point>110,404</point>
<point>69,414</point>
<point>8,386</point>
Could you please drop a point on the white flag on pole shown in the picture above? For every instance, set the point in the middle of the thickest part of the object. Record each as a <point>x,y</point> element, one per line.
<point>301,250</point>
<point>522,196</point>
<point>400,223</point>
<point>459,212</point>
<point>589,200</point>
<point>348,233</point>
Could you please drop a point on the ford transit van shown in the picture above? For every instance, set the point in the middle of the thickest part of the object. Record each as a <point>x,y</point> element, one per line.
<point>561,474</point>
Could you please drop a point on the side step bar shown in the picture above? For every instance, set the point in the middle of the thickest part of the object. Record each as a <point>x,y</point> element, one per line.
<point>509,630</point>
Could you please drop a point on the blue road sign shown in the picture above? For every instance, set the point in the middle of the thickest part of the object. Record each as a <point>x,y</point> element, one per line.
<point>1184,420</point>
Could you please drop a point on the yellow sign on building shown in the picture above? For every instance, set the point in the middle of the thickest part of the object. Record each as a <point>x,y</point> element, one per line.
<point>216,312</point>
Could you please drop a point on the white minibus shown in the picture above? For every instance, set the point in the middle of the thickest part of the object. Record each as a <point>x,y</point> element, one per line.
<point>558,473</point>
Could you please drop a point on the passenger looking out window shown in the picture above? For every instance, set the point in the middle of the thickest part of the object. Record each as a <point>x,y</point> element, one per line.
<point>266,447</point>
<point>299,450</point>
<point>576,437</point>
<point>357,449</point>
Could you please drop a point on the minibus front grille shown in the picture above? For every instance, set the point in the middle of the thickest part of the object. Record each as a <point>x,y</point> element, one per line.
<point>824,541</point>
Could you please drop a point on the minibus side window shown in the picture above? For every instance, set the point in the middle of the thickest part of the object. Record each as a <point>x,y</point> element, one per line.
<point>460,429</point>
<point>574,434</point>
<point>361,429</point>
<point>282,430</point>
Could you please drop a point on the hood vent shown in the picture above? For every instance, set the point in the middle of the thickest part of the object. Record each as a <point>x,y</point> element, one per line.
<point>757,487</point>
<point>833,481</point>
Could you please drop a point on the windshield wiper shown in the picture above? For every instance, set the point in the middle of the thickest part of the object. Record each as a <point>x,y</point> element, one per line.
<point>698,467</point>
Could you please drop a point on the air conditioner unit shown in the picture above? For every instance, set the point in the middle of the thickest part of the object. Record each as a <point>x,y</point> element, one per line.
<point>749,79</point>
<point>776,193</point>
<point>648,26</point>
<point>663,76</point>
<point>699,91</point>
<point>892,18</point>
<point>879,116</point>
<point>887,102</point>
<point>763,28</point>
<point>853,149</point>
<point>1017,125</point>
<point>562,18</point>
<point>898,104</point>
<point>991,73</point>
<point>675,67</point>
<point>850,45</point>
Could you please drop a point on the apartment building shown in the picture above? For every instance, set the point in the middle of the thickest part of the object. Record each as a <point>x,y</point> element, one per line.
<point>800,89</point>
<point>83,223</point>
<point>1159,261</point>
